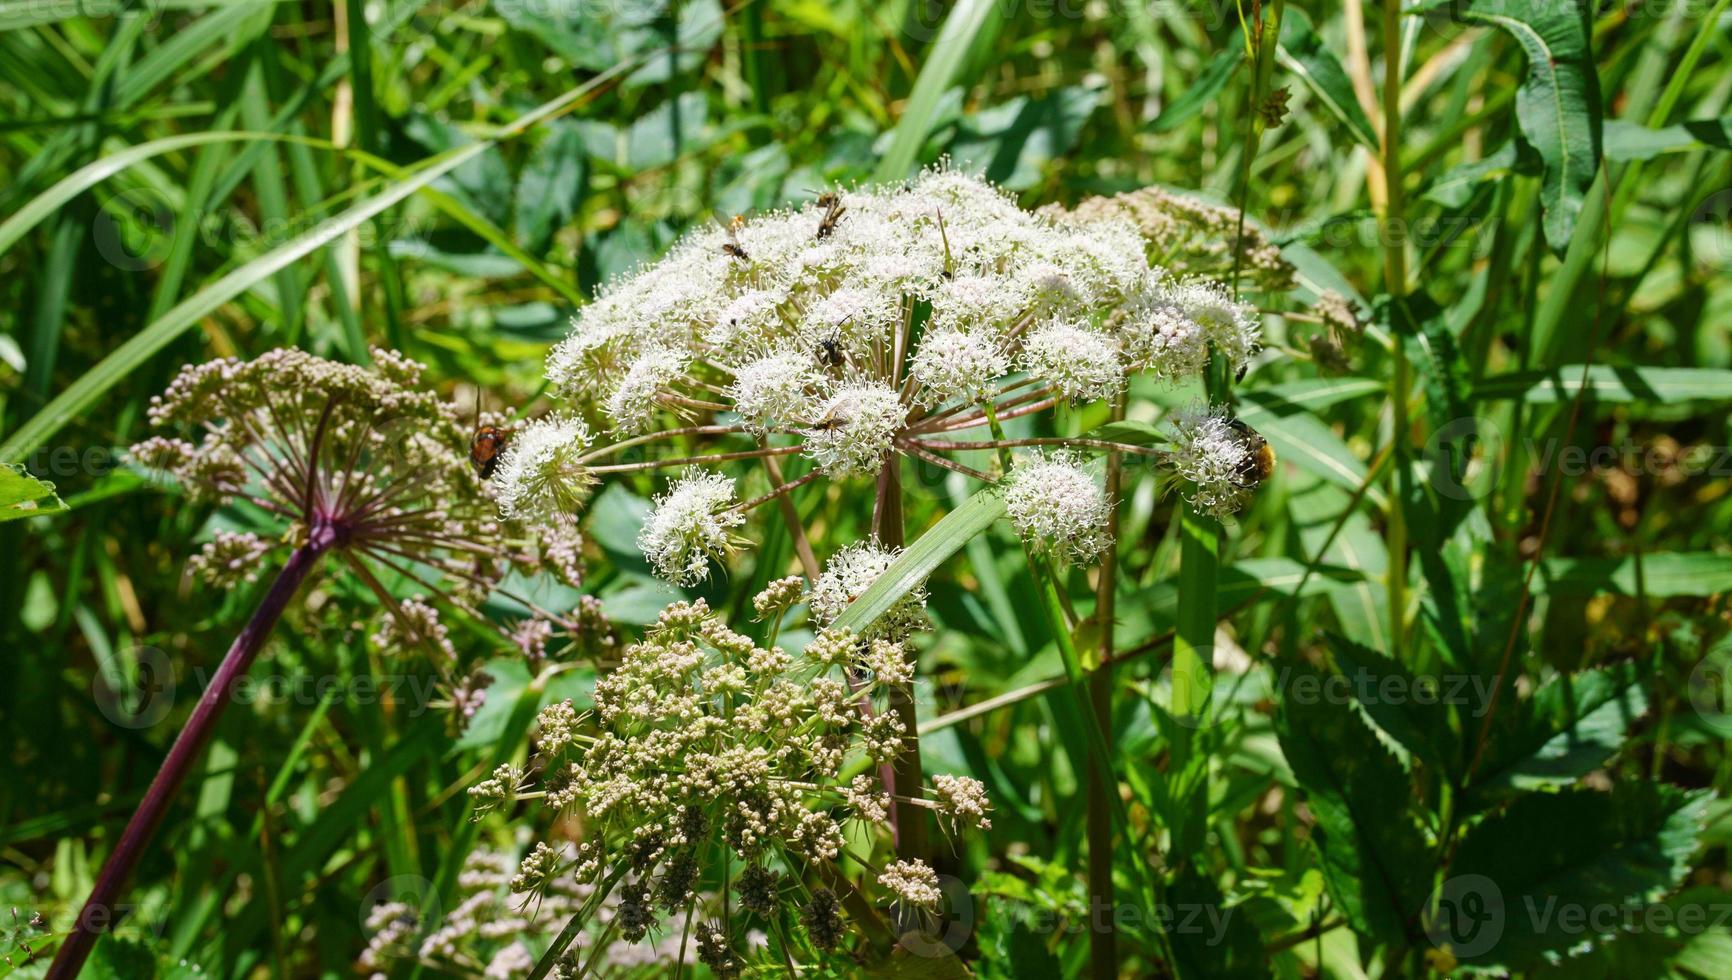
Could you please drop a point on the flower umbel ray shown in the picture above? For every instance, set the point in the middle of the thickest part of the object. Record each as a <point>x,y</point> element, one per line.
<point>355,461</point>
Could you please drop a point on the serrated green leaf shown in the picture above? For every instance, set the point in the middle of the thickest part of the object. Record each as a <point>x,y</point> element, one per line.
<point>1409,709</point>
<point>1662,575</point>
<point>1569,727</point>
<point>1374,856</point>
<point>22,495</point>
<point>1304,54</point>
<point>1556,861</point>
<point>1558,101</point>
<point>1211,939</point>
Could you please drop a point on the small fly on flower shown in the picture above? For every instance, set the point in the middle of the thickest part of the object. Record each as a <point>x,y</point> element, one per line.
<point>831,202</point>
<point>830,352</point>
<point>732,246</point>
<point>486,445</point>
<point>1259,462</point>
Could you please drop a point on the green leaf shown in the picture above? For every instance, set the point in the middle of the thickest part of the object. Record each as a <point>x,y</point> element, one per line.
<point>1310,444</point>
<point>1304,54</point>
<point>84,392</point>
<point>968,21</point>
<point>1202,92</point>
<point>1009,143</point>
<point>1454,189</point>
<point>1608,384</point>
<point>22,495</point>
<point>921,558</point>
<point>1662,575</point>
<point>1627,140</point>
<point>1374,857</point>
<point>1545,871</point>
<point>1558,101</point>
<point>1409,709</point>
<point>1210,938</point>
<point>1570,727</point>
<point>548,187</point>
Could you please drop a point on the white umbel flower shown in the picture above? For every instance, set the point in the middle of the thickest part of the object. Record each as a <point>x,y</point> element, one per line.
<point>848,574</point>
<point>1230,326</point>
<point>957,364</point>
<point>1059,507</point>
<point>1083,364</point>
<point>689,526</point>
<point>1210,454</point>
<point>633,402</point>
<point>855,429</point>
<point>539,477</point>
<point>774,389</point>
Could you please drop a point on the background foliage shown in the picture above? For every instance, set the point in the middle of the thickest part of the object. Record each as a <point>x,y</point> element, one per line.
<point>1546,476</point>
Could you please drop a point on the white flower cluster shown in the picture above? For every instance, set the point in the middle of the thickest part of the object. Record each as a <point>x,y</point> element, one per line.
<point>487,935</point>
<point>702,734</point>
<point>803,321</point>
<point>689,526</point>
<point>847,576</point>
<point>1059,507</point>
<point>1212,452</point>
<point>539,476</point>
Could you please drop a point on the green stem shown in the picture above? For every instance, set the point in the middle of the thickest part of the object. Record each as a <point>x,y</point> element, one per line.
<point>1395,283</point>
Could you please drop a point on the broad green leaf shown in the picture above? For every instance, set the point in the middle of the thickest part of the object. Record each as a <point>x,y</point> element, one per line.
<point>1310,394</point>
<point>1210,938</point>
<point>22,495</point>
<point>1661,575</point>
<point>966,22</point>
<point>922,558</point>
<point>1557,103</point>
<point>1308,443</point>
<point>1304,54</point>
<point>548,188</point>
<point>1569,727</point>
<point>1011,142</point>
<point>1202,91</point>
<point>1626,140</point>
<point>1544,871</point>
<point>1606,383</point>
<point>1455,188</point>
<point>1409,709</point>
<point>1374,857</point>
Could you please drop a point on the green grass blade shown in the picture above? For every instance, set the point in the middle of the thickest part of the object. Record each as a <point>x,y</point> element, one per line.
<point>918,562</point>
<point>955,40</point>
<point>81,394</point>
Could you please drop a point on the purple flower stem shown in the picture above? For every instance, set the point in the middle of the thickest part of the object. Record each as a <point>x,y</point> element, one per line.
<point>97,915</point>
